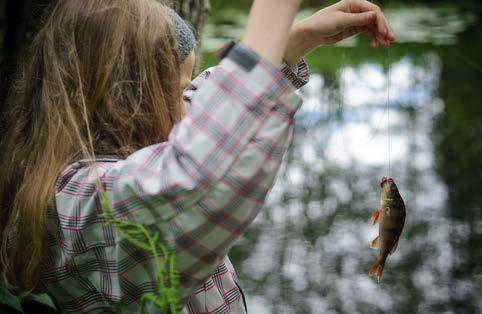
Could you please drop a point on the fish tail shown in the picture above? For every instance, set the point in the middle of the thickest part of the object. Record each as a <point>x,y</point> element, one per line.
<point>377,269</point>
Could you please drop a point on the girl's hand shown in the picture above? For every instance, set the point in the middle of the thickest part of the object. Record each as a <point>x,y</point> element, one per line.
<point>337,22</point>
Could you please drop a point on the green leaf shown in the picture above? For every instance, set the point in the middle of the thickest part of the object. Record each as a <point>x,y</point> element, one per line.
<point>43,299</point>
<point>9,299</point>
<point>167,299</point>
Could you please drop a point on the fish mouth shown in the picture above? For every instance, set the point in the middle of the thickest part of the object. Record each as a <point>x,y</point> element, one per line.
<point>385,180</point>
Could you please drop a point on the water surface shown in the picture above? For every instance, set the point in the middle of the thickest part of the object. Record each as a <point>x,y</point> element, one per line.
<point>308,251</point>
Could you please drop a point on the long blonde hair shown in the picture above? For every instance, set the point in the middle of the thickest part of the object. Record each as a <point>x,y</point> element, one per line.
<point>102,78</point>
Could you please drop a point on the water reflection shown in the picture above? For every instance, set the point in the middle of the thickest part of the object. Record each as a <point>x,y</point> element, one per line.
<point>438,26</point>
<point>371,114</point>
<point>308,252</point>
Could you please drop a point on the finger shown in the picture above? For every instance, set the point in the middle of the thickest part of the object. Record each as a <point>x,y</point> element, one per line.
<point>343,35</point>
<point>359,6</point>
<point>379,37</point>
<point>373,38</point>
<point>367,31</point>
<point>349,33</point>
<point>359,19</point>
<point>386,30</point>
<point>391,34</point>
<point>374,42</point>
<point>381,26</point>
<point>361,30</point>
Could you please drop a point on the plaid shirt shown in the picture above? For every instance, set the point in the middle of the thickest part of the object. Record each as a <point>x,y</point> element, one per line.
<point>202,188</point>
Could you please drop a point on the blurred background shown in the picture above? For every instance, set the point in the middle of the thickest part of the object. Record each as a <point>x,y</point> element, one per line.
<point>308,252</point>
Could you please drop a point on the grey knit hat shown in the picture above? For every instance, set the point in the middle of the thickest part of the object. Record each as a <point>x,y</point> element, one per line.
<point>184,35</point>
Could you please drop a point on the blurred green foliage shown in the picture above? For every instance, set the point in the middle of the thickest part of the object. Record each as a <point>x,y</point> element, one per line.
<point>37,303</point>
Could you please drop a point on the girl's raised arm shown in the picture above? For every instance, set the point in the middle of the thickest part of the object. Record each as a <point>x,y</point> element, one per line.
<point>268,27</point>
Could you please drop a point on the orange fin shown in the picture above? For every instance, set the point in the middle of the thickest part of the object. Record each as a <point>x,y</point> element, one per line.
<point>377,269</point>
<point>375,243</point>
<point>394,248</point>
<point>375,216</point>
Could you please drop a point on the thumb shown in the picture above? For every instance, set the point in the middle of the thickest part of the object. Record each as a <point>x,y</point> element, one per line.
<point>359,19</point>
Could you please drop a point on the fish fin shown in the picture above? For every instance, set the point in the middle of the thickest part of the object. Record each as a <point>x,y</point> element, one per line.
<point>377,269</point>
<point>394,248</point>
<point>375,216</point>
<point>375,244</point>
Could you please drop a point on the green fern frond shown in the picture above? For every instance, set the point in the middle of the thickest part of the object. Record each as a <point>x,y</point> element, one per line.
<point>167,277</point>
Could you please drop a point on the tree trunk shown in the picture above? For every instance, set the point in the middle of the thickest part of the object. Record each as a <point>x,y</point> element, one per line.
<point>21,19</point>
<point>195,12</point>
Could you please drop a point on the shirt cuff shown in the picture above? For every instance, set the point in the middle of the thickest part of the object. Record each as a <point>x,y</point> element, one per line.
<point>299,74</point>
<point>283,88</point>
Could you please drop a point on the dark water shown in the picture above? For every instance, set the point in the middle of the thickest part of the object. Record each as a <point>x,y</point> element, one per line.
<point>308,252</point>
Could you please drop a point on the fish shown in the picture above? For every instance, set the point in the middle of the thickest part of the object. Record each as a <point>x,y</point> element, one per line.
<point>391,218</point>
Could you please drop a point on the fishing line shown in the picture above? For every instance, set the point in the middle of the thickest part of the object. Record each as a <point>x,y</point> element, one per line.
<point>339,110</point>
<point>388,109</point>
<point>388,63</point>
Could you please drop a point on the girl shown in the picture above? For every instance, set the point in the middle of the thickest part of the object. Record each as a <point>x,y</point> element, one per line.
<point>101,100</point>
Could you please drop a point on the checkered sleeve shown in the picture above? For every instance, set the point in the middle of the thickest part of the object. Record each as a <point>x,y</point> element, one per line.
<point>299,74</point>
<point>206,184</point>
